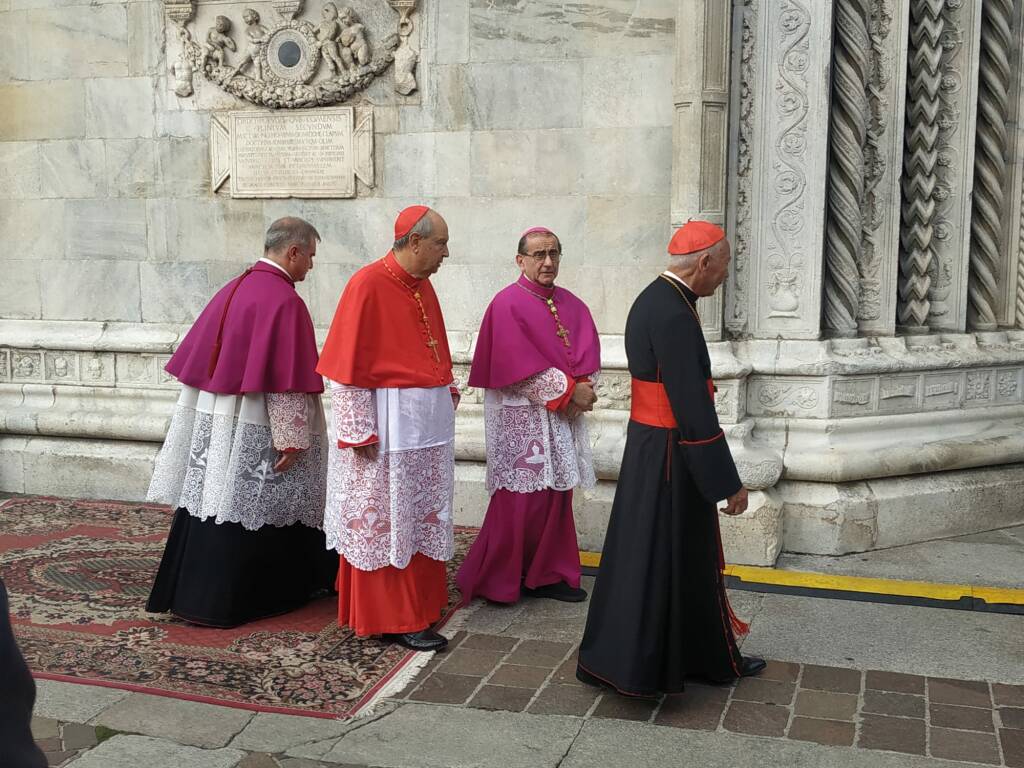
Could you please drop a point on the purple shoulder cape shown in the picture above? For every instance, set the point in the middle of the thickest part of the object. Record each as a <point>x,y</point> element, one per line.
<point>518,337</point>
<point>267,344</point>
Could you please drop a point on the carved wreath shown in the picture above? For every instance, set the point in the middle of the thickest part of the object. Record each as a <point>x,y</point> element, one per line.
<point>281,59</point>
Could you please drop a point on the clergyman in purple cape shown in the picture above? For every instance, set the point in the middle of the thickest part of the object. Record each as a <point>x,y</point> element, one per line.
<point>244,460</point>
<point>537,356</point>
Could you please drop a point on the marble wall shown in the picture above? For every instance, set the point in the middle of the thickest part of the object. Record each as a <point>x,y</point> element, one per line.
<point>527,113</point>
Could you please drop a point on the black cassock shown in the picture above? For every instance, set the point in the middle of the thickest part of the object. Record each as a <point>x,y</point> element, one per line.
<point>659,613</point>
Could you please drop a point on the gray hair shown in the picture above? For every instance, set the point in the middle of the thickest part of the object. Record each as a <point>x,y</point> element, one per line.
<point>289,231</point>
<point>424,228</point>
<point>684,260</point>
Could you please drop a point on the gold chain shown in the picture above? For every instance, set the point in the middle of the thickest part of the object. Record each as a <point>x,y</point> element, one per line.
<point>562,332</point>
<point>432,342</point>
<point>672,282</point>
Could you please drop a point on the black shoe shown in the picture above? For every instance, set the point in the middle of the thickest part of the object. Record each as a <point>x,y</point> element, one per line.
<point>424,640</point>
<point>560,591</point>
<point>749,667</point>
<point>752,665</point>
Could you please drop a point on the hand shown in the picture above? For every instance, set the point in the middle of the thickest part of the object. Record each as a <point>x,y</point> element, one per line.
<point>572,411</point>
<point>583,397</point>
<point>369,452</point>
<point>737,503</point>
<point>286,460</point>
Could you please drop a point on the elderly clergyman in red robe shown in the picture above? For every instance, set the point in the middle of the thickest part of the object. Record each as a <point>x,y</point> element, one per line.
<point>537,356</point>
<point>244,460</point>
<point>391,471</point>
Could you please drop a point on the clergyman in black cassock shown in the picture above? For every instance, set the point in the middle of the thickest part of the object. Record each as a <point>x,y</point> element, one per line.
<point>659,612</point>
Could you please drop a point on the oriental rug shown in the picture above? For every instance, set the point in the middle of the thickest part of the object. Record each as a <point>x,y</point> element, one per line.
<point>79,572</point>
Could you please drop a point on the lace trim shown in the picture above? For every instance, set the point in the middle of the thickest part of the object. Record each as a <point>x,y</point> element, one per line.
<point>354,410</point>
<point>289,424</point>
<point>530,448</point>
<point>541,388</point>
<point>218,467</point>
<point>382,512</point>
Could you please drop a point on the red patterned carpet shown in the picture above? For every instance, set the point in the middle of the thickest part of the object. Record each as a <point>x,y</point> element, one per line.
<point>79,572</point>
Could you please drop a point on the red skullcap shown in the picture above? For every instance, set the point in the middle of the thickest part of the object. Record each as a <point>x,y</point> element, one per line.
<point>407,220</point>
<point>695,236</point>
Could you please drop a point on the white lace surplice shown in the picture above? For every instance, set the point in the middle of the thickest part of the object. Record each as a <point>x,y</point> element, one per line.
<point>218,458</point>
<point>530,448</point>
<point>382,512</point>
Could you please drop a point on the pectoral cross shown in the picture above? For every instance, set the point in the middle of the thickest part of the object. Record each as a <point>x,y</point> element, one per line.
<point>563,333</point>
<point>433,348</point>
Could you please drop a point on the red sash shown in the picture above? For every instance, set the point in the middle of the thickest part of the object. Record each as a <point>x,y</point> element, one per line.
<point>651,405</point>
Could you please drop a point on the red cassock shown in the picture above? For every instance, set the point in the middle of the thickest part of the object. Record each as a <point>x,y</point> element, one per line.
<point>388,332</point>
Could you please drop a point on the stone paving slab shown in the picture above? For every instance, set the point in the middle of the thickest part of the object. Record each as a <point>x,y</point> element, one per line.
<point>188,722</point>
<point>268,732</point>
<point>146,752</point>
<point>425,736</point>
<point>897,638</point>
<point>73,702</point>
<point>618,743</point>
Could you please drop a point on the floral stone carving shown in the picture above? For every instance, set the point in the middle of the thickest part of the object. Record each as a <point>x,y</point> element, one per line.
<point>290,62</point>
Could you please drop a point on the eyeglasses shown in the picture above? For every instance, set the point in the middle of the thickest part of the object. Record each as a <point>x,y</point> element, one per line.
<point>542,256</point>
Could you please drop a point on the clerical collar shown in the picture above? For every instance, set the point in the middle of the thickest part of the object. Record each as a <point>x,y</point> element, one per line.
<point>678,279</point>
<point>398,271</point>
<point>265,260</point>
<point>535,288</point>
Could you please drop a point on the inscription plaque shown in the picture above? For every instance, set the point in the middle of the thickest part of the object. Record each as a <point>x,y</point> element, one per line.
<point>312,153</point>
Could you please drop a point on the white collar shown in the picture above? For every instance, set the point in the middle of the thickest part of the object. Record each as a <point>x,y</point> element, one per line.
<point>678,279</point>
<point>265,260</point>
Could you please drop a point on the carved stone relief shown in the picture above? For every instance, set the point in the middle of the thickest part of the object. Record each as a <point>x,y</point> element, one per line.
<point>954,164</point>
<point>740,176</point>
<point>85,368</point>
<point>285,61</point>
<point>790,170</point>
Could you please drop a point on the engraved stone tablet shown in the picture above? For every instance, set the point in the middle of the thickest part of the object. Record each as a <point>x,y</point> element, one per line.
<point>311,153</point>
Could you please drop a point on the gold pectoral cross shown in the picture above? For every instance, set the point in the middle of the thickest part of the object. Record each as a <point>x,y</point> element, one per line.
<point>433,348</point>
<point>562,331</point>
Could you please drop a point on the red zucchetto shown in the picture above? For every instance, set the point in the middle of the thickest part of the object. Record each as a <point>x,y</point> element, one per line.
<point>407,220</point>
<point>694,237</point>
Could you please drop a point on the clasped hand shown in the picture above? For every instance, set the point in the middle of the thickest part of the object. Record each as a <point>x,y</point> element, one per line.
<point>582,400</point>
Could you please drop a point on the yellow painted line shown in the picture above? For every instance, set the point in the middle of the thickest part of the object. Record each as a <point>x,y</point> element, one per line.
<point>926,589</point>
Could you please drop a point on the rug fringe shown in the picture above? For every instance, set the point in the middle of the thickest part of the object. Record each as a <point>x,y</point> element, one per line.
<point>400,681</point>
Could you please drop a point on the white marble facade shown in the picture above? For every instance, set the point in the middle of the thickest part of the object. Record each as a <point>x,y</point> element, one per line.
<point>868,394</point>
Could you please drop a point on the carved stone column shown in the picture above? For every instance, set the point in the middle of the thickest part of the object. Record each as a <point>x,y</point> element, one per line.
<point>990,167</point>
<point>878,262</point>
<point>741,140</point>
<point>700,133</point>
<point>790,163</point>
<point>851,61</point>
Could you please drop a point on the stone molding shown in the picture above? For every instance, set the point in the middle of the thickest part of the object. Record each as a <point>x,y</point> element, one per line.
<point>700,126</point>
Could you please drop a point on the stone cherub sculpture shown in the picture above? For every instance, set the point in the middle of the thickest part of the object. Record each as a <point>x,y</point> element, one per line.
<point>258,37</point>
<point>217,39</point>
<point>327,35</point>
<point>355,50</point>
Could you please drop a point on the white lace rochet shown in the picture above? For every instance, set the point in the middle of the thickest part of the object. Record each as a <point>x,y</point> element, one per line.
<point>530,448</point>
<point>218,458</point>
<point>384,511</point>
